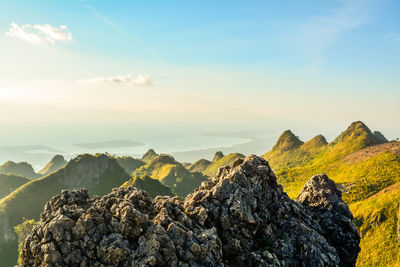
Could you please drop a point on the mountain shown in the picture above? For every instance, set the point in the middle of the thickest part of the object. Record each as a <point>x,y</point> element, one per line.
<point>287,141</point>
<point>380,136</point>
<point>357,136</point>
<point>129,164</point>
<point>170,173</point>
<point>315,145</point>
<point>366,169</point>
<point>199,166</point>
<point>219,161</point>
<point>9,183</point>
<point>289,151</point>
<point>54,164</point>
<point>98,173</point>
<point>240,218</point>
<point>376,219</point>
<point>152,186</point>
<point>218,155</point>
<point>149,155</point>
<point>18,168</point>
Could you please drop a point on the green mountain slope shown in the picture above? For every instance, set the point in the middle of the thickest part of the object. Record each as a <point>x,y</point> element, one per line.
<point>152,186</point>
<point>376,218</point>
<point>9,183</point>
<point>289,151</point>
<point>362,165</point>
<point>54,164</point>
<point>129,164</point>
<point>99,174</point>
<point>18,168</point>
<point>199,166</point>
<point>218,162</point>
<point>170,173</point>
<point>149,155</point>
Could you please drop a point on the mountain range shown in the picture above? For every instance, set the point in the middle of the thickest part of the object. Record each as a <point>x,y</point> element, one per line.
<point>363,163</point>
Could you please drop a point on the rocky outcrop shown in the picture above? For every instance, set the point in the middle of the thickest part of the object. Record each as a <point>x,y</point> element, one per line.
<point>241,217</point>
<point>321,196</point>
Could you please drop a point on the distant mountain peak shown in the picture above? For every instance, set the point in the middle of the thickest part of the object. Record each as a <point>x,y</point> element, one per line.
<point>149,155</point>
<point>315,144</point>
<point>287,141</point>
<point>18,168</point>
<point>358,130</point>
<point>380,136</point>
<point>54,164</point>
<point>217,156</point>
<point>164,159</point>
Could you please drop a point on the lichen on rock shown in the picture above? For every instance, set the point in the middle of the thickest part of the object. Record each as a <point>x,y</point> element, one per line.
<point>241,217</point>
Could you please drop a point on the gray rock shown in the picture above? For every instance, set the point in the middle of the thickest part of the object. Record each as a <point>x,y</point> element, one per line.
<point>241,217</point>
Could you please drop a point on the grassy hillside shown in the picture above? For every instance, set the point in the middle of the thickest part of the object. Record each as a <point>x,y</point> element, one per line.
<point>152,186</point>
<point>292,152</point>
<point>18,168</point>
<point>99,174</point>
<point>149,155</point>
<point>171,173</point>
<point>54,164</point>
<point>199,166</point>
<point>9,183</point>
<point>376,218</point>
<point>367,170</point>
<point>218,161</point>
<point>129,164</point>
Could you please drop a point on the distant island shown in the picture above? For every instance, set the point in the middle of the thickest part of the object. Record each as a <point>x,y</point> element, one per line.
<point>109,144</point>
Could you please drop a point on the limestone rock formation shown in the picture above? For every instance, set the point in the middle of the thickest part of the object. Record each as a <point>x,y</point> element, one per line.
<point>241,217</point>
<point>324,201</point>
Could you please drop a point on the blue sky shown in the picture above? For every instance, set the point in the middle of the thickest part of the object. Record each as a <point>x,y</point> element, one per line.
<point>318,64</point>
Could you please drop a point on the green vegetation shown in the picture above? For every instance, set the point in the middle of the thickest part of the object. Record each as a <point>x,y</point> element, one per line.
<point>170,173</point>
<point>218,162</point>
<point>376,218</point>
<point>152,186</point>
<point>20,168</point>
<point>54,164</point>
<point>129,164</point>
<point>218,155</point>
<point>97,173</point>
<point>291,152</point>
<point>9,183</point>
<point>22,231</point>
<point>199,166</point>
<point>149,155</point>
<point>365,169</point>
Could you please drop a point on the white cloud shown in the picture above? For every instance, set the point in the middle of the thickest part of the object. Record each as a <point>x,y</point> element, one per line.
<point>39,33</point>
<point>140,80</point>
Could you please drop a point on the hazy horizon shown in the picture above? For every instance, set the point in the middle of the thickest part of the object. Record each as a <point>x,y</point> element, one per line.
<point>92,71</point>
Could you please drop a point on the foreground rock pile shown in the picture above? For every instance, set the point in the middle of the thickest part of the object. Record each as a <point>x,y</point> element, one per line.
<point>241,217</point>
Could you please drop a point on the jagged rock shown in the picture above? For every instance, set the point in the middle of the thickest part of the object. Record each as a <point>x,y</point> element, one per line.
<point>241,217</point>
<point>323,199</point>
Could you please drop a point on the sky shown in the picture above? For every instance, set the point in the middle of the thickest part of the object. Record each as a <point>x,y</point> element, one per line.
<point>102,69</point>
